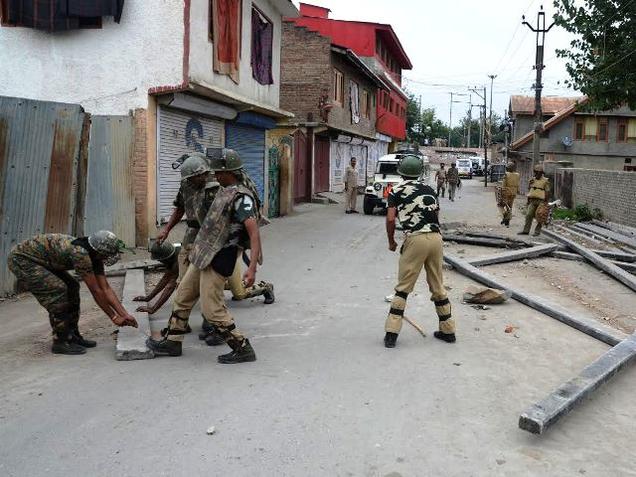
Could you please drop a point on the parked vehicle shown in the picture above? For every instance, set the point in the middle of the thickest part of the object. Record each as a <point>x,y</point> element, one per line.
<point>385,178</point>
<point>478,166</point>
<point>465,168</point>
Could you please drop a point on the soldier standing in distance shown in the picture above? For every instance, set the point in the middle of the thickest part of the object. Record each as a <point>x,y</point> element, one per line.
<point>440,178</point>
<point>509,191</point>
<point>452,177</point>
<point>231,224</point>
<point>41,264</point>
<point>351,187</point>
<point>539,193</point>
<point>416,207</point>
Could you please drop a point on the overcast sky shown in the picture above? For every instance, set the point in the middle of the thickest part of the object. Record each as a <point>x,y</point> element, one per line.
<point>458,43</point>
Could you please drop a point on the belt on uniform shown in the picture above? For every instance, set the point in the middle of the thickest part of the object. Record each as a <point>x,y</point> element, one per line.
<point>193,224</point>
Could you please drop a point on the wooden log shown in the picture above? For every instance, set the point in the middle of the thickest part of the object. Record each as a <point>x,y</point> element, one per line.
<point>561,401</point>
<point>484,242</point>
<point>614,227</point>
<point>615,255</point>
<point>589,327</point>
<point>131,342</point>
<point>568,256</point>
<point>594,235</point>
<point>513,255</point>
<point>579,234</point>
<point>496,237</point>
<point>618,237</point>
<point>601,263</point>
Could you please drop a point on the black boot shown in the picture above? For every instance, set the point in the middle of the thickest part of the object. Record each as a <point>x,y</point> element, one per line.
<point>241,353</point>
<point>77,338</point>
<point>269,294</point>
<point>164,347</point>
<point>390,339</point>
<point>61,346</point>
<point>214,339</point>
<point>449,338</point>
<point>188,329</point>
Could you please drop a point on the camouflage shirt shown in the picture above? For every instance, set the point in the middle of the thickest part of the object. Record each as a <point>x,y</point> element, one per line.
<point>452,175</point>
<point>59,252</point>
<point>195,202</point>
<point>416,205</point>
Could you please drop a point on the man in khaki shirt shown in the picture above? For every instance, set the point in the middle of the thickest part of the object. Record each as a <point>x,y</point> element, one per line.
<point>539,193</point>
<point>351,187</point>
<point>509,191</point>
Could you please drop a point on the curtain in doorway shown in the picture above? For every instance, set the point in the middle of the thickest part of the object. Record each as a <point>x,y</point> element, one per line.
<point>262,39</point>
<point>226,37</point>
<point>355,102</point>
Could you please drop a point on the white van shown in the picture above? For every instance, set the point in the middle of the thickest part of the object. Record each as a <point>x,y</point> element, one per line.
<point>464,167</point>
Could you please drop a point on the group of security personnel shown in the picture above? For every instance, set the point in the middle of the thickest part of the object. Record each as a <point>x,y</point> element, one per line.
<point>223,215</point>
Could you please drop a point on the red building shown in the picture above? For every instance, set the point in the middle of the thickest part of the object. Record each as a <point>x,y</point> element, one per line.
<point>379,47</point>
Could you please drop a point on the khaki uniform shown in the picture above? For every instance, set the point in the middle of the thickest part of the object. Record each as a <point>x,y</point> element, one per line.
<point>509,191</point>
<point>440,178</point>
<point>452,176</point>
<point>41,265</point>
<point>237,287</point>
<point>417,207</point>
<point>351,186</point>
<point>212,262</point>
<point>539,192</point>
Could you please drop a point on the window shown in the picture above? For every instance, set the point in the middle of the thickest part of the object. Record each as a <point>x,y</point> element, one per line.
<point>46,20</point>
<point>579,129</point>
<point>262,38</point>
<point>603,132</point>
<point>338,87</point>
<point>621,131</point>
<point>365,104</point>
<point>631,130</point>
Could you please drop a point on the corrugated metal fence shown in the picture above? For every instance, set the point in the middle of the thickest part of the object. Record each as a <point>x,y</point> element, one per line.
<point>43,175</point>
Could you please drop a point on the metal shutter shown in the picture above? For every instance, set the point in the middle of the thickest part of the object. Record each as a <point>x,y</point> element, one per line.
<point>249,142</point>
<point>179,133</point>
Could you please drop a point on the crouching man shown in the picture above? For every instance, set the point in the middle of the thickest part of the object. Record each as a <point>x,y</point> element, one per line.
<point>41,265</point>
<point>416,206</point>
<point>230,224</point>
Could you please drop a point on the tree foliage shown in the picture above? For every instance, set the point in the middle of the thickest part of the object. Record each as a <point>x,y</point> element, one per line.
<point>602,56</point>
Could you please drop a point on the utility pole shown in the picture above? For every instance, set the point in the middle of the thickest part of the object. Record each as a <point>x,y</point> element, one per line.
<point>450,120</point>
<point>540,30</point>
<point>492,80</point>
<point>470,118</point>
<point>482,94</point>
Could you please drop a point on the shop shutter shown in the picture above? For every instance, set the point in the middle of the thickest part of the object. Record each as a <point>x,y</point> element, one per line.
<point>249,142</point>
<point>179,133</point>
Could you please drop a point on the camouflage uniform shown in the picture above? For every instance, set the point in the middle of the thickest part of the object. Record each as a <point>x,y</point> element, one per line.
<point>452,177</point>
<point>195,202</point>
<point>212,262</point>
<point>417,206</point>
<point>509,191</point>
<point>41,265</point>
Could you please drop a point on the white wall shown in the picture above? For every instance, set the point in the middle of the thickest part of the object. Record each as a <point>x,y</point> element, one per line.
<point>108,70</point>
<point>201,54</point>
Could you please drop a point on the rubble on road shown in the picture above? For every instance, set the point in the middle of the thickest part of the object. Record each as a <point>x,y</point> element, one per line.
<point>485,296</point>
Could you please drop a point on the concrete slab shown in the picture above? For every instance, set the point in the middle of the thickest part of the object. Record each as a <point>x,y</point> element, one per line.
<point>540,416</point>
<point>513,255</point>
<point>131,342</point>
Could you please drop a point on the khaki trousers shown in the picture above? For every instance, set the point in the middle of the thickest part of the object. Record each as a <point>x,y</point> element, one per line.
<point>530,213</point>
<point>351,198</point>
<point>452,188</point>
<point>208,286</point>
<point>421,251</point>
<point>237,287</point>
<point>508,199</point>
<point>184,261</point>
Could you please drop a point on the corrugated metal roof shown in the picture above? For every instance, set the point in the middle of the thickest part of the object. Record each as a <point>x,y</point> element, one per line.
<point>37,171</point>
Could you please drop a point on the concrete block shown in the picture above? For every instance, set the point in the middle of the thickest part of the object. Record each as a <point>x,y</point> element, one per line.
<point>131,342</point>
<point>542,415</point>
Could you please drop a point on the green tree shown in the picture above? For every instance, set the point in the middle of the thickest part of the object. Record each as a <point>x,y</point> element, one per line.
<point>602,56</point>
<point>413,121</point>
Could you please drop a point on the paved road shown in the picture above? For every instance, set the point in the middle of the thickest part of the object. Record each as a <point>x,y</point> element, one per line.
<point>324,397</point>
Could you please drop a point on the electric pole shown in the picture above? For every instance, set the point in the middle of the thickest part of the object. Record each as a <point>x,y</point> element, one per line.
<point>492,80</point>
<point>450,121</point>
<point>482,94</point>
<point>470,118</point>
<point>540,30</point>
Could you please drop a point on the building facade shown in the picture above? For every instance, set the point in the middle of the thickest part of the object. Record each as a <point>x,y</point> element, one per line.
<point>331,93</point>
<point>192,73</point>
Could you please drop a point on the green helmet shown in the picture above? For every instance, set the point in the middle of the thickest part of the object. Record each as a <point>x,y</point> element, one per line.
<point>162,252</point>
<point>194,165</point>
<point>107,245</point>
<point>222,159</point>
<point>410,166</point>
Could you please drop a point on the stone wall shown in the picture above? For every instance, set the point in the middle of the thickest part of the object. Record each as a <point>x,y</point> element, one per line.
<point>613,192</point>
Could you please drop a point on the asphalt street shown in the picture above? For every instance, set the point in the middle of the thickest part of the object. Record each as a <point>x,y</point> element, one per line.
<point>325,398</point>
